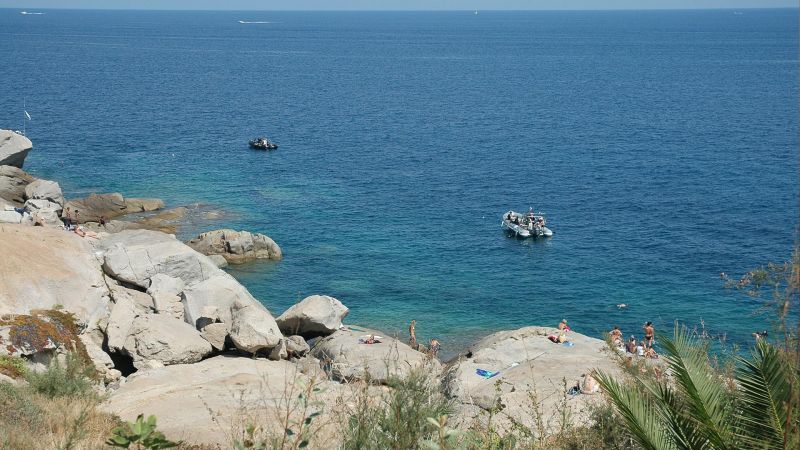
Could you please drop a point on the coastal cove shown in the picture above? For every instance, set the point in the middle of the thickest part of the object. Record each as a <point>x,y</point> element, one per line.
<point>661,145</point>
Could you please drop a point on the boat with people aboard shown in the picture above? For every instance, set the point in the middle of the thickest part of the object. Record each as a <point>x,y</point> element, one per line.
<point>526,225</point>
<point>262,143</point>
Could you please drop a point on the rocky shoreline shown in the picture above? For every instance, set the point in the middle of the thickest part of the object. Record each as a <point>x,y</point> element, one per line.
<point>172,334</point>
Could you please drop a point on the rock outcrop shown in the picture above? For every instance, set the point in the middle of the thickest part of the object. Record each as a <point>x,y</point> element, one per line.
<point>135,205</point>
<point>526,361</point>
<point>316,315</point>
<point>134,256</point>
<point>164,340</point>
<point>14,147</point>
<point>45,190</point>
<point>165,291</point>
<point>91,208</point>
<point>347,358</point>
<point>202,402</point>
<point>237,247</point>
<point>42,268</point>
<point>13,182</point>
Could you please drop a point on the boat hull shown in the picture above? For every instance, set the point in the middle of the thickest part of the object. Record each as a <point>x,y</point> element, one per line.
<point>520,226</point>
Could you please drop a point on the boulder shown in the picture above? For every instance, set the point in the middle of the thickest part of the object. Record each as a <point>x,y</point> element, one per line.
<point>279,352</point>
<point>165,221</point>
<point>215,334</point>
<point>236,247</point>
<point>143,204</point>
<point>44,267</point>
<point>41,331</point>
<point>45,190</point>
<point>219,260</point>
<point>165,291</point>
<point>348,359</point>
<point>296,346</point>
<point>316,315</point>
<point>140,300</point>
<point>13,181</point>
<point>527,362</point>
<point>34,205</point>
<point>91,208</point>
<point>112,226</point>
<point>14,147</point>
<point>164,339</point>
<point>252,328</point>
<point>103,364</point>
<point>47,217</point>
<point>10,217</point>
<point>135,256</point>
<point>202,402</point>
<point>119,323</point>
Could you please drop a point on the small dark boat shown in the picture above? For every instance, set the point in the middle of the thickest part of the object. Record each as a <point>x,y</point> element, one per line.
<point>262,143</point>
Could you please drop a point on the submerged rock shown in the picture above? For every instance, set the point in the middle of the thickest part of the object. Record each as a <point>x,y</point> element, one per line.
<point>14,147</point>
<point>91,208</point>
<point>135,205</point>
<point>316,315</point>
<point>236,247</point>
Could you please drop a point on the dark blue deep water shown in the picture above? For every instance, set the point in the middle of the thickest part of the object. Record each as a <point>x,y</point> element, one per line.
<point>662,146</point>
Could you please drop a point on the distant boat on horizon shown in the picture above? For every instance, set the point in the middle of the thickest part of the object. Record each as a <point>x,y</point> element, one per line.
<point>476,12</point>
<point>244,21</point>
<point>26,13</point>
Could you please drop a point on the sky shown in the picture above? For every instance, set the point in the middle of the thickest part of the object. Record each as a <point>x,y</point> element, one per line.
<point>249,5</point>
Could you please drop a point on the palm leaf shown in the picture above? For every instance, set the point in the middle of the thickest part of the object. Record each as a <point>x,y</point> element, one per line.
<point>765,388</point>
<point>639,412</point>
<point>704,393</point>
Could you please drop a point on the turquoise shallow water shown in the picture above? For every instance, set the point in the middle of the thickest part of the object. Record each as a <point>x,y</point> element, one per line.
<point>662,146</point>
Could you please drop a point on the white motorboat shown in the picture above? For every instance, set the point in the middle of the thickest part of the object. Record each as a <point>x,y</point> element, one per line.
<point>526,225</point>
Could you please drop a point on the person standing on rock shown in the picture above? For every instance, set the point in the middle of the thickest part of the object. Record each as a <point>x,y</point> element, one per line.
<point>412,339</point>
<point>649,334</point>
<point>77,218</point>
<point>67,218</point>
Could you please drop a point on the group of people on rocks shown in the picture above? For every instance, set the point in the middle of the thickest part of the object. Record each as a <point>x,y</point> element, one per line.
<point>642,348</point>
<point>433,344</point>
<point>72,222</point>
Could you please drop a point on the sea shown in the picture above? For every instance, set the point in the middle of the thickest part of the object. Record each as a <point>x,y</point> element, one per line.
<point>661,145</point>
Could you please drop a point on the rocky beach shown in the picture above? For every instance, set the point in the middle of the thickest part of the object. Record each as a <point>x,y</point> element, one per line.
<point>170,333</point>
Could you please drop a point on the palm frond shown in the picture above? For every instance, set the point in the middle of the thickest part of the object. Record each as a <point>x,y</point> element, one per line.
<point>704,393</point>
<point>639,412</point>
<point>765,389</point>
<point>683,429</point>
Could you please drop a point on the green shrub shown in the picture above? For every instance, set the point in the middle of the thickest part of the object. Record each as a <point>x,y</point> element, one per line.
<point>400,419</point>
<point>12,366</point>
<point>140,434</point>
<point>68,380</point>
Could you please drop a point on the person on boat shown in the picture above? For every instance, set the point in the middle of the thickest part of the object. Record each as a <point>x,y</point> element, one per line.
<point>649,334</point>
<point>562,326</point>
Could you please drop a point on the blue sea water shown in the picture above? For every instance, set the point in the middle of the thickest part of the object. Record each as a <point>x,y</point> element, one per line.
<point>662,146</point>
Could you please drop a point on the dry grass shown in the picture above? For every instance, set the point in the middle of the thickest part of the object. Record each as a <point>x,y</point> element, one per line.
<point>34,421</point>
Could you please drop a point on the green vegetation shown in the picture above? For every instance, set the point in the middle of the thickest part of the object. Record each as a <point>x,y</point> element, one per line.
<point>69,379</point>
<point>12,366</point>
<point>140,434</point>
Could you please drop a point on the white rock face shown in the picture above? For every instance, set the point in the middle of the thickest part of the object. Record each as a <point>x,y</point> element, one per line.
<point>236,247</point>
<point>164,339</point>
<point>123,312</point>
<point>10,217</point>
<point>351,360</point>
<point>13,148</point>
<point>198,402</point>
<point>526,360</point>
<point>135,256</point>
<point>221,291</point>
<point>43,267</point>
<point>316,315</point>
<point>141,300</point>
<point>215,334</point>
<point>45,190</point>
<point>253,328</point>
<point>165,291</point>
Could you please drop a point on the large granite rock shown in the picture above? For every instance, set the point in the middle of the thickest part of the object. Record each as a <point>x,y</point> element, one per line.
<point>13,182</point>
<point>143,204</point>
<point>119,322</point>
<point>10,216</point>
<point>134,256</point>
<point>45,190</point>
<point>47,217</point>
<point>165,291</point>
<point>526,361</point>
<point>236,247</point>
<point>91,208</point>
<point>14,147</point>
<point>209,401</point>
<point>43,267</point>
<point>252,328</point>
<point>348,359</point>
<point>316,315</point>
<point>165,340</point>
